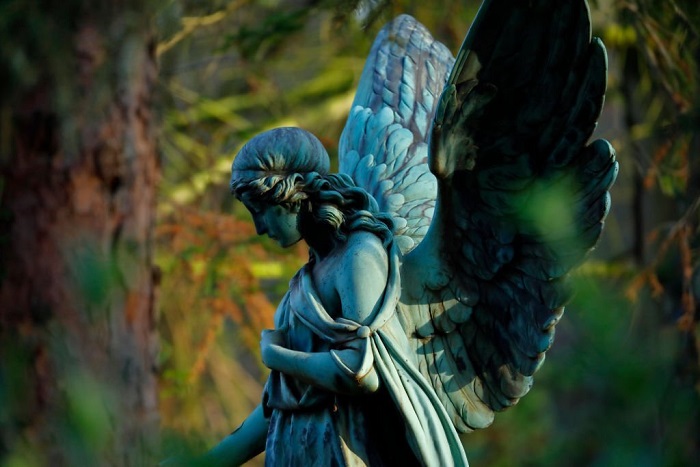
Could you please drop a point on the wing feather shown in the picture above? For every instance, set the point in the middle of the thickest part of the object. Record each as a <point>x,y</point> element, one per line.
<point>521,201</point>
<point>385,137</point>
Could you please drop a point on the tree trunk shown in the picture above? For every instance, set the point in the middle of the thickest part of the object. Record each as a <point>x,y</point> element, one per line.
<point>77,286</point>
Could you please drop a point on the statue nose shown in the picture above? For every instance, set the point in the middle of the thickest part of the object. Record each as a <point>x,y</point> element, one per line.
<point>260,226</point>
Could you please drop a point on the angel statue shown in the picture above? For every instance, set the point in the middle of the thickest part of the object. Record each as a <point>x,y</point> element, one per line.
<point>439,254</point>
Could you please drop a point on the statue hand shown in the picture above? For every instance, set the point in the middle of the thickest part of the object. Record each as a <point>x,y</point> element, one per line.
<point>269,339</point>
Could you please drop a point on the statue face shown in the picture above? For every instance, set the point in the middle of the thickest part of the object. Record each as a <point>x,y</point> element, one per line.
<point>276,221</point>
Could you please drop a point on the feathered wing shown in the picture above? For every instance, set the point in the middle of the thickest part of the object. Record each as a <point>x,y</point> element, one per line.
<point>384,144</point>
<point>521,201</point>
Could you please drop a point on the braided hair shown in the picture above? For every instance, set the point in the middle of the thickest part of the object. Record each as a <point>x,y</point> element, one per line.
<point>289,167</point>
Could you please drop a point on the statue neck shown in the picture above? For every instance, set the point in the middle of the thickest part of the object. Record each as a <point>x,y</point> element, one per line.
<point>322,246</point>
<point>322,239</point>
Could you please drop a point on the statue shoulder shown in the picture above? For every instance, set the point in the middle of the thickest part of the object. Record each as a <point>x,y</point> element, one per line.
<point>361,276</point>
<point>364,250</point>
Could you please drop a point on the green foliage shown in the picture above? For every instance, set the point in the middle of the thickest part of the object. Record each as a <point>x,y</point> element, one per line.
<point>608,394</point>
<point>37,40</point>
<point>95,274</point>
<point>275,28</point>
<point>86,421</point>
<point>660,45</point>
<point>29,33</point>
<point>82,422</point>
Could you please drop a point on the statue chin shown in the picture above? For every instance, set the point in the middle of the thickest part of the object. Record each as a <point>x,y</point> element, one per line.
<point>286,242</point>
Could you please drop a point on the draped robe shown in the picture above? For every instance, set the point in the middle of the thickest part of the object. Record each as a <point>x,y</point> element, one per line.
<point>402,423</point>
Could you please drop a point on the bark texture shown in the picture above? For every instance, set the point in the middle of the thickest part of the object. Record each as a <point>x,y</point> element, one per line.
<point>77,286</point>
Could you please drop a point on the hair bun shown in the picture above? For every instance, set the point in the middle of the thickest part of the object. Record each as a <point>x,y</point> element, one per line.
<point>280,151</point>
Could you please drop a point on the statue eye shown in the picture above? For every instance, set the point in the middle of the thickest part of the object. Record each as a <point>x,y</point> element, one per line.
<point>254,208</point>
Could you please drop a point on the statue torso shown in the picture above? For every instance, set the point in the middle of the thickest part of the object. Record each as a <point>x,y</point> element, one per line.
<point>347,430</point>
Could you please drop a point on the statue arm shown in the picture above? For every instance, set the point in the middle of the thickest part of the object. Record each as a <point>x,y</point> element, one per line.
<point>246,442</point>
<point>321,369</point>
<point>360,280</point>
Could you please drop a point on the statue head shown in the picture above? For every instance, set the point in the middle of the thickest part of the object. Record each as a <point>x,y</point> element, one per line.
<point>268,176</point>
<point>272,166</point>
<point>282,177</point>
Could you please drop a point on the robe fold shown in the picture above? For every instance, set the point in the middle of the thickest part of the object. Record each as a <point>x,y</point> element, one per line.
<point>403,423</point>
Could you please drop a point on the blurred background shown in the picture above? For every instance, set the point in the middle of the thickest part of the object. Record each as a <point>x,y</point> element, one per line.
<point>171,297</point>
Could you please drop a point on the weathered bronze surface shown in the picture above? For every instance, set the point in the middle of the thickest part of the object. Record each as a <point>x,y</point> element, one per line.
<point>467,192</point>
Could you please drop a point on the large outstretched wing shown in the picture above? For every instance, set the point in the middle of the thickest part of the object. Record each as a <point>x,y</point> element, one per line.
<point>384,144</point>
<point>521,201</point>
